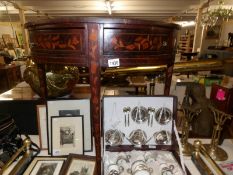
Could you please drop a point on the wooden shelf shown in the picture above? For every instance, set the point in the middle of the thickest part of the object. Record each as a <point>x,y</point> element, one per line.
<point>186,43</point>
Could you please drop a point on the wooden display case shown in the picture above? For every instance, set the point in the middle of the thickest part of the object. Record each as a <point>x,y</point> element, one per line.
<point>92,42</point>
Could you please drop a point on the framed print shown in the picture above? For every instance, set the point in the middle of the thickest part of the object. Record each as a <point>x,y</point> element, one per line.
<point>42,126</point>
<point>54,107</point>
<point>45,165</point>
<point>66,135</point>
<point>19,37</point>
<point>79,164</point>
<point>213,32</point>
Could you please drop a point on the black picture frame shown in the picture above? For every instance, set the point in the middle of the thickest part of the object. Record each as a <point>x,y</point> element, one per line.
<point>44,162</point>
<point>83,105</point>
<point>67,135</point>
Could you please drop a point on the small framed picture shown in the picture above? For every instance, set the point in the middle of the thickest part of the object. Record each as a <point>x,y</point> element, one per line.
<point>79,164</point>
<point>45,165</point>
<point>213,32</point>
<point>42,126</point>
<point>66,135</point>
<point>71,107</point>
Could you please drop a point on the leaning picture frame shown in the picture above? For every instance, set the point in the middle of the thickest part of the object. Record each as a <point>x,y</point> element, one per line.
<point>66,135</point>
<point>42,126</point>
<point>45,164</point>
<point>81,105</point>
<point>79,164</point>
<point>213,32</point>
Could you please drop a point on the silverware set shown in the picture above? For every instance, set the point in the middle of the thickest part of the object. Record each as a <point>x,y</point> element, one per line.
<point>137,137</point>
<point>140,114</point>
<point>151,112</point>
<point>126,111</point>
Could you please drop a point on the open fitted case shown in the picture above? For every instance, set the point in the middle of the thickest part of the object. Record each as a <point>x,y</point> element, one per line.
<point>138,135</point>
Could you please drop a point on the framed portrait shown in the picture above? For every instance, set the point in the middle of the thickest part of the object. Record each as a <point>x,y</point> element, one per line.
<point>213,32</point>
<point>45,165</point>
<point>42,126</point>
<point>71,107</point>
<point>79,164</point>
<point>19,37</point>
<point>66,135</point>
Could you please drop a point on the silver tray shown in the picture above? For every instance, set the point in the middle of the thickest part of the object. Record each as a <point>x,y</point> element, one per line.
<point>163,115</point>
<point>139,114</point>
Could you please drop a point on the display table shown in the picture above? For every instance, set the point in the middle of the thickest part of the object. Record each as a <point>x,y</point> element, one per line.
<point>227,146</point>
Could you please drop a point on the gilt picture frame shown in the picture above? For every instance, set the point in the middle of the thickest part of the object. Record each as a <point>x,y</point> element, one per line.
<point>66,135</point>
<point>79,164</point>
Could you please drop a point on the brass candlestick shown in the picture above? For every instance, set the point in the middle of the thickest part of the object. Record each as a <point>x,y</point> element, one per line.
<point>189,114</point>
<point>198,161</point>
<point>215,152</point>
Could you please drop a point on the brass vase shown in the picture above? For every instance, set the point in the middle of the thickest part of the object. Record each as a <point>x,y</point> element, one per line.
<point>60,80</point>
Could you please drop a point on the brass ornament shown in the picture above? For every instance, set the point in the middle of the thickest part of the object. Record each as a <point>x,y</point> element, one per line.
<point>114,137</point>
<point>189,114</point>
<point>139,114</point>
<point>60,80</point>
<point>215,152</point>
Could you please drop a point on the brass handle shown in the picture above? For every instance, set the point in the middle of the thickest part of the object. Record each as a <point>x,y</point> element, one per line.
<point>25,147</point>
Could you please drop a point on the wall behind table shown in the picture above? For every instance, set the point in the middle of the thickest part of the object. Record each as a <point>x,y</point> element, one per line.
<point>24,112</point>
<point>5,28</point>
<point>226,27</point>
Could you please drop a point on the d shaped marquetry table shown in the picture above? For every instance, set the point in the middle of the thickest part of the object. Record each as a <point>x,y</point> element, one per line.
<point>92,42</point>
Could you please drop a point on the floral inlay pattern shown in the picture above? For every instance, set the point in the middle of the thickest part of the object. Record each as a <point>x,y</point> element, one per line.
<point>58,41</point>
<point>134,42</point>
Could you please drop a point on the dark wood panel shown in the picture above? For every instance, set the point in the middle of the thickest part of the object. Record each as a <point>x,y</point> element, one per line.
<point>10,76</point>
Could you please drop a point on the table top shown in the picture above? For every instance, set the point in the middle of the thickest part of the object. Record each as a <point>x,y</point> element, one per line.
<point>23,91</point>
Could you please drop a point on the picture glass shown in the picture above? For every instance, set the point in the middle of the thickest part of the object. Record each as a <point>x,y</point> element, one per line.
<point>71,108</point>
<point>47,167</point>
<point>67,135</point>
<point>83,167</point>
